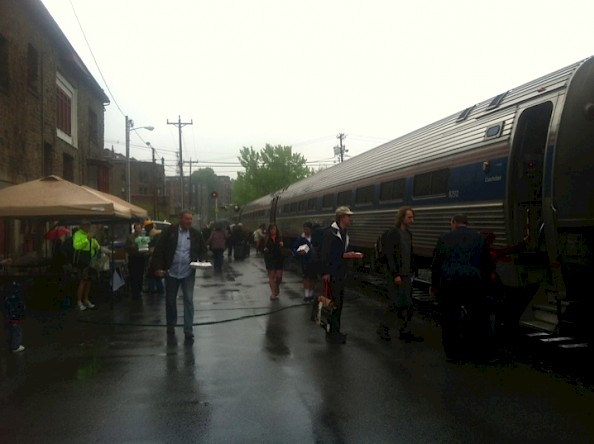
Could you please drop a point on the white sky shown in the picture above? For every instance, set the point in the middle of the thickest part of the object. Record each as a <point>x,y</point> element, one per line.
<point>251,72</point>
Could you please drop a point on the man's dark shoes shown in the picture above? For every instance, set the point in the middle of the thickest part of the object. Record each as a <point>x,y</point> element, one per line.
<point>336,338</point>
<point>170,329</point>
<point>189,337</point>
<point>383,333</point>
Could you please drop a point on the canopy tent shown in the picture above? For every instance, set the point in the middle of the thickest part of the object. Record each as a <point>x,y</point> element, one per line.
<point>54,197</point>
<point>137,211</point>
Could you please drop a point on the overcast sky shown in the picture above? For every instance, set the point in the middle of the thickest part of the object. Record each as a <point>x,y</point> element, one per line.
<point>298,73</point>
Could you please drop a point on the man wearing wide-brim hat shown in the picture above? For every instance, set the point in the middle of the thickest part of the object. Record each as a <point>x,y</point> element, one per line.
<point>334,267</point>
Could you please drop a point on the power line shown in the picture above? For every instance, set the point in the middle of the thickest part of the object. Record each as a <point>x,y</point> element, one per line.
<point>95,60</point>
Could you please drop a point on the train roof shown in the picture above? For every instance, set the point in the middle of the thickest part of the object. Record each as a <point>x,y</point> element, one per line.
<point>452,135</point>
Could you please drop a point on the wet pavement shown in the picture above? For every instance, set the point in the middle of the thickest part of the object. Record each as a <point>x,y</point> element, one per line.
<point>262,372</point>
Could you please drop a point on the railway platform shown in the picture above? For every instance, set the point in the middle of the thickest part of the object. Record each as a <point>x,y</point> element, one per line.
<point>261,371</point>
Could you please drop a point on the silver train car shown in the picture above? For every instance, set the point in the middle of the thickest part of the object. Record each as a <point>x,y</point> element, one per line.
<point>519,163</point>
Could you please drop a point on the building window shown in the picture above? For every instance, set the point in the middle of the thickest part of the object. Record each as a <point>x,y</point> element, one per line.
<point>143,175</point>
<point>4,83</point>
<point>68,168</point>
<point>66,110</point>
<point>32,68</point>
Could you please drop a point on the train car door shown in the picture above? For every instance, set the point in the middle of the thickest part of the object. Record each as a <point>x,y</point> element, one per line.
<point>526,171</point>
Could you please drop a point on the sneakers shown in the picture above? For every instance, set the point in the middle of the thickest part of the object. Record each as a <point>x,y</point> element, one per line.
<point>89,304</point>
<point>81,307</point>
<point>19,349</point>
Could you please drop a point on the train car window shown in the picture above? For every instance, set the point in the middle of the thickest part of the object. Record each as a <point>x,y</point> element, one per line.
<point>286,208</point>
<point>343,198</point>
<point>294,207</point>
<point>464,114</point>
<point>328,201</point>
<point>392,190</point>
<point>496,101</point>
<point>493,131</point>
<point>301,206</point>
<point>364,195</point>
<point>311,204</point>
<point>432,183</point>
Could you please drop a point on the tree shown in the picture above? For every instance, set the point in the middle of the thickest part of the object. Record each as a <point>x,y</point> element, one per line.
<point>271,169</point>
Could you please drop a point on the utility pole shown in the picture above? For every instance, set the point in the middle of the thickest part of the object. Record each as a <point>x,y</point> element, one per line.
<point>341,149</point>
<point>180,125</point>
<point>191,189</point>
<point>155,175</point>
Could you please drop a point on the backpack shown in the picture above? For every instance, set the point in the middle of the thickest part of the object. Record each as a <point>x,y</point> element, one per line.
<point>380,246</point>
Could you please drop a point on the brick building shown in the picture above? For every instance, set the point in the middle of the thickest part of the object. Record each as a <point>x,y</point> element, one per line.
<point>51,108</point>
<point>147,183</point>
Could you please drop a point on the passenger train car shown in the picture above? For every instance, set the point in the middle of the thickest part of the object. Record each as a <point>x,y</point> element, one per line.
<point>518,164</point>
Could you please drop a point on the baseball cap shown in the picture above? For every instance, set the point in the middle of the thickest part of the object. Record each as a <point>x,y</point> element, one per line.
<point>341,211</point>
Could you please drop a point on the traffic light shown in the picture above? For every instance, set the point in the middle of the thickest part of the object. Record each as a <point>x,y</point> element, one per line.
<point>214,194</point>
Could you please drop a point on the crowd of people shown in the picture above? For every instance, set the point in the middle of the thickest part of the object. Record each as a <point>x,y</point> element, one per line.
<point>463,279</point>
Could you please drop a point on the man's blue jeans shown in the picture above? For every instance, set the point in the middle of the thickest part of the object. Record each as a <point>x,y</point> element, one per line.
<point>171,289</point>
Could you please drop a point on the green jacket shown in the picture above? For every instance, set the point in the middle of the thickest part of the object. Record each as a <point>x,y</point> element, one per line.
<point>80,241</point>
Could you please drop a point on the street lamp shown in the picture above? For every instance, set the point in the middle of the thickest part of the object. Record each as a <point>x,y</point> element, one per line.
<point>129,127</point>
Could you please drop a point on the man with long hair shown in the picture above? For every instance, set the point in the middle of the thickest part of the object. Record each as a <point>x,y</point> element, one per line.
<point>399,277</point>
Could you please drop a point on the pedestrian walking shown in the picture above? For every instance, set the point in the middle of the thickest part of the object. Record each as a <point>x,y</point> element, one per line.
<point>259,235</point>
<point>137,247</point>
<point>154,284</point>
<point>274,259</point>
<point>303,250</point>
<point>460,268</point>
<point>178,246</point>
<point>217,242</point>
<point>399,278</point>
